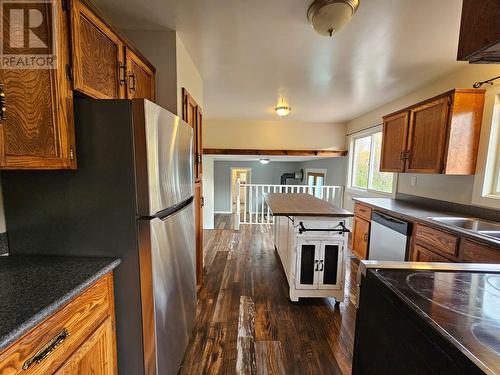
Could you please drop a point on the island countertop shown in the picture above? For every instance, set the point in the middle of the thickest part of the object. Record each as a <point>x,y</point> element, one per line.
<point>465,310</point>
<point>301,204</point>
<point>34,287</point>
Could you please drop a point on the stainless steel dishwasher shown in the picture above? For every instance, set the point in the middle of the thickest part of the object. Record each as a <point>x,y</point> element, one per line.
<point>388,238</point>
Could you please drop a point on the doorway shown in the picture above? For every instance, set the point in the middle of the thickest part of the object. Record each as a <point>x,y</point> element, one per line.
<point>315,181</point>
<point>245,176</point>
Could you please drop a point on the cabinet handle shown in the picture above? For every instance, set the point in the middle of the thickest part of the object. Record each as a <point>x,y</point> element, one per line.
<point>122,73</point>
<point>322,265</point>
<point>3,108</point>
<point>365,237</point>
<point>317,265</point>
<point>131,77</point>
<point>47,349</point>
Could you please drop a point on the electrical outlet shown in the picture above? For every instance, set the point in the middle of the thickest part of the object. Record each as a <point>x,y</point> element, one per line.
<point>414,181</point>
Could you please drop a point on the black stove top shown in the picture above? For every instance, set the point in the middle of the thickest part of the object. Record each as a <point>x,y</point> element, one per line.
<point>463,306</point>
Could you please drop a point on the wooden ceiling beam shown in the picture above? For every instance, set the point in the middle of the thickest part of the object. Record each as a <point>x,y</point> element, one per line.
<point>240,151</point>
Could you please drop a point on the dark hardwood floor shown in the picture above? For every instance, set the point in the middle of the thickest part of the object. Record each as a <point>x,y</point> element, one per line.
<point>246,323</point>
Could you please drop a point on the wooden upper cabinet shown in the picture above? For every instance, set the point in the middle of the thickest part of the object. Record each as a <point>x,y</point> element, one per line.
<point>394,136</point>
<point>192,114</point>
<point>480,31</point>
<point>442,135</point>
<point>140,77</point>
<point>199,143</point>
<point>98,55</point>
<point>37,129</point>
<point>426,136</point>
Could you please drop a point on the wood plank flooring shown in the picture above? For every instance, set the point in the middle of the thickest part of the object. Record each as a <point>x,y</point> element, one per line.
<point>246,323</point>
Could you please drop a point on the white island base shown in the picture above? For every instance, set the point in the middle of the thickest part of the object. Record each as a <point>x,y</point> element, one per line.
<point>313,260</point>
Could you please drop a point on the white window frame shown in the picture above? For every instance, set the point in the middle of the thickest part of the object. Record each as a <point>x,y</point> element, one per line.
<point>368,191</point>
<point>488,163</point>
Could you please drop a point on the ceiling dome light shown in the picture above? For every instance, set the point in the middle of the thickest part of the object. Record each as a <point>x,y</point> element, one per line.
<point>264,161</point>
<point>282,110</point>
<point>329,16</point>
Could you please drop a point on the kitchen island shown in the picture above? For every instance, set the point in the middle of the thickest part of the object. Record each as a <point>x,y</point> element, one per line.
<point>439,318</point>
<point>310,236</point>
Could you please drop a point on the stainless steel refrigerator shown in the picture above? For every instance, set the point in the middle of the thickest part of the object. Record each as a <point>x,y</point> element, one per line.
<point>131,197</point>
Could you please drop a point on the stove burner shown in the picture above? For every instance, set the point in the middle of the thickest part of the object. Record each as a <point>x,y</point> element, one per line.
<point>493,281</point>
<point>451,291</point>
<point>488,335</point>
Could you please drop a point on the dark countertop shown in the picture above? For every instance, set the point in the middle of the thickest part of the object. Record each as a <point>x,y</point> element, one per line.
<point>412,212</point>
<point>301,204</point>
<point>462,306</point>
<point>32,288</point>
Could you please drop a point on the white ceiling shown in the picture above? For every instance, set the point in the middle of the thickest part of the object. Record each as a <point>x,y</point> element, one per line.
<point>251,51</point>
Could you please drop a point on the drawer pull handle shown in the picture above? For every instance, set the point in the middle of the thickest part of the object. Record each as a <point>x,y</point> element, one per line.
<point>3,105</point>
<point>47,349</point>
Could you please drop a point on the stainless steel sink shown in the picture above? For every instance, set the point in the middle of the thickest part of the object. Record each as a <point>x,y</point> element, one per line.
<point>484,227</point>
<point>494,234</point>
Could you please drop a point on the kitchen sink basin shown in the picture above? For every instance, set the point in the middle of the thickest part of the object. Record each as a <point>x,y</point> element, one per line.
<point>494,234</point>
<point>484,227</point>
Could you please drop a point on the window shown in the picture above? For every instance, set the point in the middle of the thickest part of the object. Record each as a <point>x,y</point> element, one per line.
<point>496,183</point>
<point>366,163</point>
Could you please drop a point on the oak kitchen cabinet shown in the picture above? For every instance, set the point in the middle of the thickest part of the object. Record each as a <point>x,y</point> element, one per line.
<point>105,65</point>
<point>79,338</point>
<point>480,32</point>
<point>429,243</point>
<point>36,119</point>
<point>98,55</point>
<point>191,113</point>
<point>438,136</point>
<point>361,230</point>
<point>140,77</point>
<point>436,245</point>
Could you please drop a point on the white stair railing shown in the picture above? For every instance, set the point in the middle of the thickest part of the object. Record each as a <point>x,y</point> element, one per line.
<point>252,208</point>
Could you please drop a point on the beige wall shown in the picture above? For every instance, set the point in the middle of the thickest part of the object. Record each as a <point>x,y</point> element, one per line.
<point>273,135</point>
<point>457,189</point>
<point>188,76</point>
<point>159,47</point>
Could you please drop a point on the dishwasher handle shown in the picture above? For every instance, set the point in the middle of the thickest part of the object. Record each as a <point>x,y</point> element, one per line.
<point>391,222</point>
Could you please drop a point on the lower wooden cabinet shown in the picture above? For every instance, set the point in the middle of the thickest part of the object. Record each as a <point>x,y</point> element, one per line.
<point>360,237</point>
<point>77,339</point>
<point>473,252</point>
<point>421,254</point>
<point>95,355</point>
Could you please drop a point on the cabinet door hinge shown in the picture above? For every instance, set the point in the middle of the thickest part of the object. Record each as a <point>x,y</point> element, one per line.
<point>71,154</point>
<point>69,72</point>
